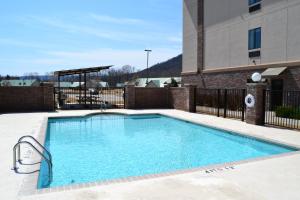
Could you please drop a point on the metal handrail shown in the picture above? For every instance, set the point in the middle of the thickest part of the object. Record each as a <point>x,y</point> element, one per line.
<point>15,168</point>
<point>37,142</point>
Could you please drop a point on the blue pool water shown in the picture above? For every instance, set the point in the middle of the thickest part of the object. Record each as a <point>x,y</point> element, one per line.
<point>105,147</point>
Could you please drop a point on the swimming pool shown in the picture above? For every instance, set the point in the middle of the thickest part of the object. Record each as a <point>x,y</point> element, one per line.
<point>111,146</point>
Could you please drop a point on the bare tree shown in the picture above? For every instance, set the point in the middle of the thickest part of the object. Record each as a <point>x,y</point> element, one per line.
<point>50,77</point>
<point>32,75</point>
<point>114,76</point>
<point>127,70</point>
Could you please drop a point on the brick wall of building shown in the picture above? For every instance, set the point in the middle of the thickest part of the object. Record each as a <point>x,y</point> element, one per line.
<point>220,80</point>
<point>26,99</point>
<point>238,79</point>
<point>291,79</point>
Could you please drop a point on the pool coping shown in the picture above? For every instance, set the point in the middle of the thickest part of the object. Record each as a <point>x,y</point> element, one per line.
<point>30,181</point>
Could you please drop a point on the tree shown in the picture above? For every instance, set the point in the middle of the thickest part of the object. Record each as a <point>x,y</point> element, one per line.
<point>173,83</point>
<point>32,75</point>
<point>50,77</point>
<point>127,70</point>
<point>114,76</point>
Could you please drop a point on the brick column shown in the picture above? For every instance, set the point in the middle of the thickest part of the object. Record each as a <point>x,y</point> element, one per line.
<point>48,100</point>
<point>256,114</point>
<point>129,97</point>
<point>190,98</point>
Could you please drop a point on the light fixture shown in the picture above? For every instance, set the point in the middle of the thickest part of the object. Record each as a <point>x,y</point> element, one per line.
<point>256,77</point>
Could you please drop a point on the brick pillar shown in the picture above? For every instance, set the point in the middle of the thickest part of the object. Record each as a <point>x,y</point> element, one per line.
<point>129,97</point>
<point>256,114</point>
<point>48,95</point>
<point>190,98</point>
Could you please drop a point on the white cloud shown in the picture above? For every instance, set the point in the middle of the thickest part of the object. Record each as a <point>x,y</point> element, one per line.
<point>115,20</point>
<point>55,56</point>
<point>114,35</point>
<point>76,28</point>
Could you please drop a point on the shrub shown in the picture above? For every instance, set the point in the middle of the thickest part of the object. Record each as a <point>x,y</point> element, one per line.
<point>288,112</point>
<point>173,83</point>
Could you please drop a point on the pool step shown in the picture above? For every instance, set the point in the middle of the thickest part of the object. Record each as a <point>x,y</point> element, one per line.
<point>44,153</point>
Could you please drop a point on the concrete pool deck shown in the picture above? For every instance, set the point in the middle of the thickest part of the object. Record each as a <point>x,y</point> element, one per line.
<point>272,178</point>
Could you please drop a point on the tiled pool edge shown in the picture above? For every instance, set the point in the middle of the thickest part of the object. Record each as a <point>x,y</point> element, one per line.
<point>29,185</point>
<point>152,176</point>
<point>235,132</point>
<point>30,181</point>
<point>257,137</point>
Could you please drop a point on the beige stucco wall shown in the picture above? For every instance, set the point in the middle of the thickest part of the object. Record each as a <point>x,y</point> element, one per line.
<point>227,23</point>
<point>190,36</point>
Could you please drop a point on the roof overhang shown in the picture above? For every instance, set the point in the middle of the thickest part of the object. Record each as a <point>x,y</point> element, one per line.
<point>270,72</point>
<point>81,71</point>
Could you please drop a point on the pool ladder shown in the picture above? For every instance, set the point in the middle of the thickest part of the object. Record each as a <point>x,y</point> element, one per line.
<point>17,156</point>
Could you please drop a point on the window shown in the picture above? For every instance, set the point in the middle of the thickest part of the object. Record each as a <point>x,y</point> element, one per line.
<point>254,5</point>
<point>252,2</point>
<point>254,39</point>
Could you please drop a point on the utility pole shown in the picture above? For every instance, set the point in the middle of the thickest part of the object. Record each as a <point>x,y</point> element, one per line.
<point>148,52</point>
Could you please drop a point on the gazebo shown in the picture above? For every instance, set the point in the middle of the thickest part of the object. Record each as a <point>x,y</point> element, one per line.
<point>82,73</point>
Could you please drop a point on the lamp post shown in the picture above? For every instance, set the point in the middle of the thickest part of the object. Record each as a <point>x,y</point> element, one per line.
<point>148,52</point>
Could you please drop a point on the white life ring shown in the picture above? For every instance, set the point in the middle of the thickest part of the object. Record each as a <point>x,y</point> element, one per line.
<point>250,101</point>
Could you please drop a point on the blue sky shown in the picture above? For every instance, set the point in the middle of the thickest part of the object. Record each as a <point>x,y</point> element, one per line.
<point>44,36</point>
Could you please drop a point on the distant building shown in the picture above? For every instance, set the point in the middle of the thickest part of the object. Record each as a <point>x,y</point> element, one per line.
<point>68,84</point>
<point>20,83</point>
<point>121,84</point>
<point>96,84</point>
<point>89,84</point>
<point>155,82</point>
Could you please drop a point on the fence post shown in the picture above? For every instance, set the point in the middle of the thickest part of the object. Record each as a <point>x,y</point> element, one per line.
<point>129,97</point>
<point>264,103</point>
<point>190,96</point>
<point>219,93</point>
<point>91,100</point>
<point>85,88</point>
<point>225,103</point>
<point>243,105</point>
<point>255,115</point>
<point>123,96</point>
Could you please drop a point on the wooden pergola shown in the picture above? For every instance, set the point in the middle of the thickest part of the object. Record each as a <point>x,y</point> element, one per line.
<point>81,72</point>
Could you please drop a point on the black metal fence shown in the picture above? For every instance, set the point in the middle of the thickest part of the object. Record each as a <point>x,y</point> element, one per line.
<point>227,103</point>
<point>282,108</point>
<point>92,98</point>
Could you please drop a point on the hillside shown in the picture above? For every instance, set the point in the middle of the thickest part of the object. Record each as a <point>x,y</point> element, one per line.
<point>170,68</point>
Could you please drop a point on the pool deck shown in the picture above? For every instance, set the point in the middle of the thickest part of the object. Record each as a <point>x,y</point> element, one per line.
<point>263,179</point>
